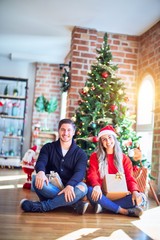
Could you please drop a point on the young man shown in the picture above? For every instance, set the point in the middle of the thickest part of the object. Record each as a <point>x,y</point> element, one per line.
<point>69,161</point>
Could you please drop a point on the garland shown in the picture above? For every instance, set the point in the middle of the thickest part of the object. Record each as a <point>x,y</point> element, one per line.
<point>65,80</point>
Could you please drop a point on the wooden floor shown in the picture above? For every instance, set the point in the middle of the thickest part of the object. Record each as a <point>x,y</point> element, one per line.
<point>64,224</point>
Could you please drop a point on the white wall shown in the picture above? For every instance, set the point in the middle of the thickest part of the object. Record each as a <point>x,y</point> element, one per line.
<point>22,69</point>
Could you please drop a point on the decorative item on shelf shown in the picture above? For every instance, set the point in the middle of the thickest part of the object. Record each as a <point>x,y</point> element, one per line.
<point>7,131</point>
<point>5,107</point>
<point>9,106</point>
<point>28,163</point>
<point>6,90</point>
<point>1,106</point>
<point>11,152</point>
<point>43,105</point>
<point>1,142</point>
<point>65,76</point>
<point>36,129</point>
<point>15,92</point>
<point>19,132</point>
<point>15,109</point>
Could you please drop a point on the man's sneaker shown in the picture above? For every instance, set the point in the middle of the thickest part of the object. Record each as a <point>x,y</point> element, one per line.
<point>98,208</point>
<point>135,212</point>
<point>81,207</point>
<point>30,206</point>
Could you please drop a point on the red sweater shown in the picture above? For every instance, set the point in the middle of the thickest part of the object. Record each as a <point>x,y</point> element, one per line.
<point>93,176</point>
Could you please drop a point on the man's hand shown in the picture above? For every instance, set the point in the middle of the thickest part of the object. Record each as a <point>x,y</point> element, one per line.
<point>96,193</point>
<point>40,179</point>
<point>68,193</point>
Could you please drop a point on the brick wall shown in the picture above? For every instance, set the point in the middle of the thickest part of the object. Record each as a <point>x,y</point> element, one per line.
<point>83,53</point>
<point>149,63</point>
<point>47,83</point>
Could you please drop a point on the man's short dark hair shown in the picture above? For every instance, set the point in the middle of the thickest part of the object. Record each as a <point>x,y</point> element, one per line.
<point>68,121</point>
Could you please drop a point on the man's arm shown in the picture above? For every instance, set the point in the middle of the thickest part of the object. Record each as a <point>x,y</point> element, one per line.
<point>43,158</point>
<point>40,167</point>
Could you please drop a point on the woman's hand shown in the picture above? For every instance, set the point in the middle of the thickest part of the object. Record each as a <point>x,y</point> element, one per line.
<point>68,193</point>
<point>96,193</point>
<point>40,179</point>
<point>136,198</point>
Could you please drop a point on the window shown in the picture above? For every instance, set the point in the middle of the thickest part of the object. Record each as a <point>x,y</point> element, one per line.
<point>145,115</point>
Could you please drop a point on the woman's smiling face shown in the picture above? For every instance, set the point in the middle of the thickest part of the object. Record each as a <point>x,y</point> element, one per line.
<point>108,141</point>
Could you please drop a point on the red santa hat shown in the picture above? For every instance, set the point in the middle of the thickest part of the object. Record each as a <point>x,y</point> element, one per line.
<point>107,130</point>
<point>34,148</point>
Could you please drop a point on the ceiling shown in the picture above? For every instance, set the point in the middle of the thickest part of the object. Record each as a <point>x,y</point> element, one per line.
<point>40,30</point>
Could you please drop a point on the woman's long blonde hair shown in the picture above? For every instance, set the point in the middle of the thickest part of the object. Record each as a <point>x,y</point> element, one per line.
<point>102,157</point>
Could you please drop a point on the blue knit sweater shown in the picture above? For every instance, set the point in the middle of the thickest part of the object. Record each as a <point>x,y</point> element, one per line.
<point>71,168</point>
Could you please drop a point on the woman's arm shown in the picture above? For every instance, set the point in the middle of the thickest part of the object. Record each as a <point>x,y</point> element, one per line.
<point>93,176</point>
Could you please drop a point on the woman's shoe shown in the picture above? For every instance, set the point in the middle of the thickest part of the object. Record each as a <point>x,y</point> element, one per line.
<point>98,208</point>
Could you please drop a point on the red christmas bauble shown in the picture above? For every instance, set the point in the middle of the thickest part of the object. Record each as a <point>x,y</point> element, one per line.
<point>113,107</point>
<point>126,99</point>
<point>95,139</point>
<point>104,74</point>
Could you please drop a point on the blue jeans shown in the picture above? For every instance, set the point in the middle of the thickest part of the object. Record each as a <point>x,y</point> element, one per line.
<point>113,206</point>
<point>50,199</point>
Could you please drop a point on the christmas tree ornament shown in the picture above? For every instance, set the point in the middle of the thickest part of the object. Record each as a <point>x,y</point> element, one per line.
<point>127,143</point>
<point>113,107</point>
<point>126,99</point>
<point>85,90</point>
<point>73,118</point>
<point>93,125</point>
<point>78,133</point>
<point>120,91</point>
<point>95,139</point>
<point>104,74</point>
<point>135,154</point>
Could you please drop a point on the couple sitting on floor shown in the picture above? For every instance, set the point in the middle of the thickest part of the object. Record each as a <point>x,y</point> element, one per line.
<point>70,162</point>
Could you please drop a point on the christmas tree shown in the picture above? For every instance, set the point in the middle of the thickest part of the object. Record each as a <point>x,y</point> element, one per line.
<point>104,101</point>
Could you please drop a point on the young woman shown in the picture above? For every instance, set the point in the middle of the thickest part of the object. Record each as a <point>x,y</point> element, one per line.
<point>109,158</point>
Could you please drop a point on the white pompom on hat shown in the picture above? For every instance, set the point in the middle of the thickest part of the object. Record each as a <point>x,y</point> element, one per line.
<point>107,130</point>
